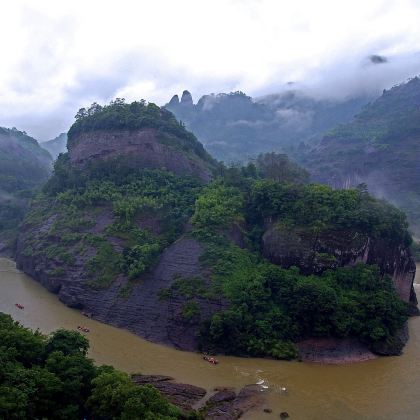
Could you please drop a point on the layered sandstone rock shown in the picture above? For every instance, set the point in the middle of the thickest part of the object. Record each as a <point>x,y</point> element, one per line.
<point>314,253</point>
<point>147,148</point>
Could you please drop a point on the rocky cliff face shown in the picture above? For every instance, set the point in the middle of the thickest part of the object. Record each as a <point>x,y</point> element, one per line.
<point>316,252</point>
<point>146,148</point>
<point>154,309</point>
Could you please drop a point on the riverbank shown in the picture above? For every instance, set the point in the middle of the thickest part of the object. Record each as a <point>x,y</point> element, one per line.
<point>360,390</point>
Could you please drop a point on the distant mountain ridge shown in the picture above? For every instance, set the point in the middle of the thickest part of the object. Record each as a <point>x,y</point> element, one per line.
<point>379,147</point>
<point>24,166</point>
<point>235,127</point>
<point>56,146</point>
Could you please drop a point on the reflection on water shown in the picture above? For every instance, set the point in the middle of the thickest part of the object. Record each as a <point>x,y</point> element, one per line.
<point>385,388</point>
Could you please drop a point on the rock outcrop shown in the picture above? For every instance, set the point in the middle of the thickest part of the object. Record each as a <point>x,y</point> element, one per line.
<point>146,148</point>
<point>314,253</point>
<point>146,311</point>
<point>184,396</point>
<point>334,351</point>
<point>225,404</point>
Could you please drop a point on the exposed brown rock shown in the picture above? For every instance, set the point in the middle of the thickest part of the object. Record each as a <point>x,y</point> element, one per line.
<point>146,148</point>
<point>315,253</point>
<point>224,405</point>
<point>181,395</point>
<point>227,394</point>
<point>143,312</point>
<point>249,398</point>
<point>334,350</point>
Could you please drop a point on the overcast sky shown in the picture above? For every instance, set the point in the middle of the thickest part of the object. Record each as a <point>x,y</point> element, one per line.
<point>57,56</point>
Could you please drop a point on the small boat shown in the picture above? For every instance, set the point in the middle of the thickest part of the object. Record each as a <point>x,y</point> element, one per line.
<point>211,360</point>
<point>18,305</point>
<point>84,329</point>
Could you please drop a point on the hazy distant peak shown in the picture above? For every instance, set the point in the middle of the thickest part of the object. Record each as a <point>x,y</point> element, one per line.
<point>174,100</point>
<point>186,98</point>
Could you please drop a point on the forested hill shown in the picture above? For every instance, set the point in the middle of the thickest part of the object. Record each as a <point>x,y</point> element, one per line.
<point>380,147</point>
<point>139,227</point>
<point>235,127</point>
<point>24,166</point>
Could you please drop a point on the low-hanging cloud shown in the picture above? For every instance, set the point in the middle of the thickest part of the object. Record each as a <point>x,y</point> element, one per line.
<point>60,56</point>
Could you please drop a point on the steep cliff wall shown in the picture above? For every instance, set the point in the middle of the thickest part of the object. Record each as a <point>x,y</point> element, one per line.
<point>316,252</point>
<point>155,308</point>
<point>146,148</point>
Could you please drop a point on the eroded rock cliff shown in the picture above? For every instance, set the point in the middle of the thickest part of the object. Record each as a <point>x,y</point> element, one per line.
<point>153,306</point>
<point>146,148</point>
<point>315,252</point>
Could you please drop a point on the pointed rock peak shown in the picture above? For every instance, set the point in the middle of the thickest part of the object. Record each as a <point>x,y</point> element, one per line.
<point>174,100</point>
<point>186,98</point>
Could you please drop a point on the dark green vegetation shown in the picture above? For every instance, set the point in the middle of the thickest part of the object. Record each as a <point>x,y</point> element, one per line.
<point>24,166</point>
<point>380,147</point>
<point>234,127</point>
<point>272,307</point>
<point>50,377</point>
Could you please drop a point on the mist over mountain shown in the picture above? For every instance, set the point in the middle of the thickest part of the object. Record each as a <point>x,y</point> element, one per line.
<point>56,146</point>
<point>235,127</point>
<point>379,147</point>
<point>24,166</point>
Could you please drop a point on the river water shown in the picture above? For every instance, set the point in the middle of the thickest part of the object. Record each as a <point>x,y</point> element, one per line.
<point>385,388</point>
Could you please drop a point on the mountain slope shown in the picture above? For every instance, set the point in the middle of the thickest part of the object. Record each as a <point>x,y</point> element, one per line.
<point>202,256</point>
<point>24,166</point>
<point>235,127</point>
<point>380,147</point>
<point>56,146</point>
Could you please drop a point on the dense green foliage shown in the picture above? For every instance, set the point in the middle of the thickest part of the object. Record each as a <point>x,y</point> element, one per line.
<point>270,307</point>
<point>119,115</point>
<point>319,206</point>
<point>51,378</point>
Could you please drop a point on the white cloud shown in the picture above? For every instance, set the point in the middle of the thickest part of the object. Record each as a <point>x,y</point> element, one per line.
<point>60,55</point>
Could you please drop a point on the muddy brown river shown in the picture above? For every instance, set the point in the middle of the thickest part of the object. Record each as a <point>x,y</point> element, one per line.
<point>385,388</point>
